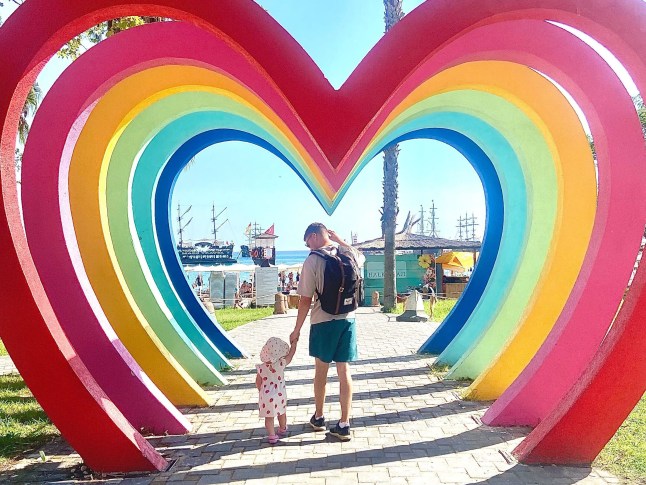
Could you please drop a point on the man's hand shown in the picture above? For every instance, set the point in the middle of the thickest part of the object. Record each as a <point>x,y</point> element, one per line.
<point>334,237</point>
<point>294,336</point>
<point>303,307</point>
<point>292,351</point>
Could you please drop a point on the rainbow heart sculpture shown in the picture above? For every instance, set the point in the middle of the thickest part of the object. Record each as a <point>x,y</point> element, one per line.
<point>96,312</point>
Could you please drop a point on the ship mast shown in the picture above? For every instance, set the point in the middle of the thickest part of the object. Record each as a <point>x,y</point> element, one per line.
<point>257,229</point>
<point>215,218</point>
<point>181,226</point>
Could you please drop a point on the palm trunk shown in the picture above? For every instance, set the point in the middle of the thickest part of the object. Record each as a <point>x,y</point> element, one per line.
<point>392,14</point>
<point>388,225</point>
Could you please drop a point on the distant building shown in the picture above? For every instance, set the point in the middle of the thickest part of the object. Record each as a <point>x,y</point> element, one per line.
<point>409,263</point>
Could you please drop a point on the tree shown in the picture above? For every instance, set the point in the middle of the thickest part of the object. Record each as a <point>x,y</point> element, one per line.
<point>641,111</point>
<point>28,110</point>
<point>392,14</point>
<point>102,31</point>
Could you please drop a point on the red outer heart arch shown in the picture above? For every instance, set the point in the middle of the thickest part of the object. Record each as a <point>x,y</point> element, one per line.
<point>335,120</point>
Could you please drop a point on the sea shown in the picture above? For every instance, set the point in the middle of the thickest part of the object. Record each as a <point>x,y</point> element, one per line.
<point>282,257</point>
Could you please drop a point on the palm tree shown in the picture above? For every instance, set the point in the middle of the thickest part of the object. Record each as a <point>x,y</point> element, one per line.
<point>102,31</point>
<point>28,110</point>
<point>641,111</point>
<point>392,14</point>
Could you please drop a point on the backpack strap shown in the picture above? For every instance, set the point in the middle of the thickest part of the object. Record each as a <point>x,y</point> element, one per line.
<point>326,257</point>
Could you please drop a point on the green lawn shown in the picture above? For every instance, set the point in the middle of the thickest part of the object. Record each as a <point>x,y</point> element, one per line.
<point>231,318</point>
<point>3,349</point>
<point>625,453</point>
<point>23,424</point>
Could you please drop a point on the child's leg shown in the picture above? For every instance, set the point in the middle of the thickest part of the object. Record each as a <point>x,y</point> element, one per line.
<point>269,426</point>
<point>282,422</point>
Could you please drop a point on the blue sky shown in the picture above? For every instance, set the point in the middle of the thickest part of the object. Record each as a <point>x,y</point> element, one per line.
<point>257,187</point>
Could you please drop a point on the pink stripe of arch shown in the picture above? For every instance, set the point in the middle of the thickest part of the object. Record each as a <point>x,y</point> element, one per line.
<point>85,415</point>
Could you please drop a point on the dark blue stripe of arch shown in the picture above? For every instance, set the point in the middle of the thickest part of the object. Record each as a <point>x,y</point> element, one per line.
<point>162,203</point>
<point>483,166</point>
<point>452,324</point>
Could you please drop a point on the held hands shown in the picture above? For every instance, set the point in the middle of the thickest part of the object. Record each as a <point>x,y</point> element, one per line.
<point>294,336</point>
<point>292,350</point>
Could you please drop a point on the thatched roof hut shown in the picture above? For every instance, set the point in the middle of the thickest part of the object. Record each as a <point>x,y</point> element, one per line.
<point>419,242</point>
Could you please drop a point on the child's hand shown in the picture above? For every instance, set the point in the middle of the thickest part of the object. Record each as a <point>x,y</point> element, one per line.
<point>292,351</point>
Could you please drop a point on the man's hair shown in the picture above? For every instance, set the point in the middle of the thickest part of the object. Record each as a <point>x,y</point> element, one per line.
<point>314,227</point>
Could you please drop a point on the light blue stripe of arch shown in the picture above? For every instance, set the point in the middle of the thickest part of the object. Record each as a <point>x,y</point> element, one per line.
<point>470,295</point>
<point>493,280</point>
<point>147,172</point>
<point>133,139</point>
<point>162,201</point>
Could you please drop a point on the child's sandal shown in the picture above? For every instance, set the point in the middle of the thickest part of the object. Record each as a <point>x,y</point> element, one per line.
<point>282,432</point>
<point>272,439</point>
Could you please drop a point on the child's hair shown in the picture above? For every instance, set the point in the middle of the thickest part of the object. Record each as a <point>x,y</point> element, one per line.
<point>274,350</point>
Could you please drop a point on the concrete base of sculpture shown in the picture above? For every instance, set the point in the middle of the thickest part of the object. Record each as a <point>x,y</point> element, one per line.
<point>414,311</point>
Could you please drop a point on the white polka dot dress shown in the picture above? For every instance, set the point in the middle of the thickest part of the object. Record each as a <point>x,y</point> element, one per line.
<point>272,398</point>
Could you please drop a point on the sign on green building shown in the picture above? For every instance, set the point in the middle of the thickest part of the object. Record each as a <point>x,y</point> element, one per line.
<point>409,274</point>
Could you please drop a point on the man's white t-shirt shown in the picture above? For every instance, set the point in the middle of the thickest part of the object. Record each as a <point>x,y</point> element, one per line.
<point>311,280</point>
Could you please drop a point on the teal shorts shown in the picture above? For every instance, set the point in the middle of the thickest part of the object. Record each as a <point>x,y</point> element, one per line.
<point>334,341</point>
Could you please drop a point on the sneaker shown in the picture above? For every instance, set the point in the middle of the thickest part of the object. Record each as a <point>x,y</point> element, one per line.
<point>317,424</point>
<point>272,439</point>
<point>282,432</point>
<point>342,433</point>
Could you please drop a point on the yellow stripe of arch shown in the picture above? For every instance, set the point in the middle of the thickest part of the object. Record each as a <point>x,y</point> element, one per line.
<point>126,319</point>
<point>556,119</point>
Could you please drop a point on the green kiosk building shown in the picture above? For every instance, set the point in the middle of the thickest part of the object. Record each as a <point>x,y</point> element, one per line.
<point>415,256</point>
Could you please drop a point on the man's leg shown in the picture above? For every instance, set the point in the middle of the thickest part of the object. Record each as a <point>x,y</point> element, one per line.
<point>320,381</point>
<point>345,391</point>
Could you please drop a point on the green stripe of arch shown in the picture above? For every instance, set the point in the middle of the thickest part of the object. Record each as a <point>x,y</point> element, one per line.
<point>496,303</point>
<point>131,141</point>
<point>147,170</point>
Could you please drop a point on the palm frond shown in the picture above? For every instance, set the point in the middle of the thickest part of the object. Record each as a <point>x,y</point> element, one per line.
<point>28,110</point>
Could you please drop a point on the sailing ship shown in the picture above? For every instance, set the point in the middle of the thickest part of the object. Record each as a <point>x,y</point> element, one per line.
<point>203,251</point>
<point>261,245</point>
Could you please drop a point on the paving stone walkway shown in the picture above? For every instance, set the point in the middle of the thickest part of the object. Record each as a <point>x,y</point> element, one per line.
<point>408,426</point>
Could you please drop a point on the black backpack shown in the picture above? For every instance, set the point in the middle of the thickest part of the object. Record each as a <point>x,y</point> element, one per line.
<point>341,283</point>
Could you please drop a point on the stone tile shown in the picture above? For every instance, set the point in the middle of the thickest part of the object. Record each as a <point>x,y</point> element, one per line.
<point>408,427</point>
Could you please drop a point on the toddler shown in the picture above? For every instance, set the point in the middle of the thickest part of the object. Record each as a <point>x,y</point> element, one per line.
<point>270,381</point>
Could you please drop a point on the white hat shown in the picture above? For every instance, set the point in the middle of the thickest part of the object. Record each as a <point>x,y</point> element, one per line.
<point>274,349</point>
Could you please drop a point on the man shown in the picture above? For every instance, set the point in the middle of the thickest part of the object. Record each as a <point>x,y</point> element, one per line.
<point>333,338</point>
